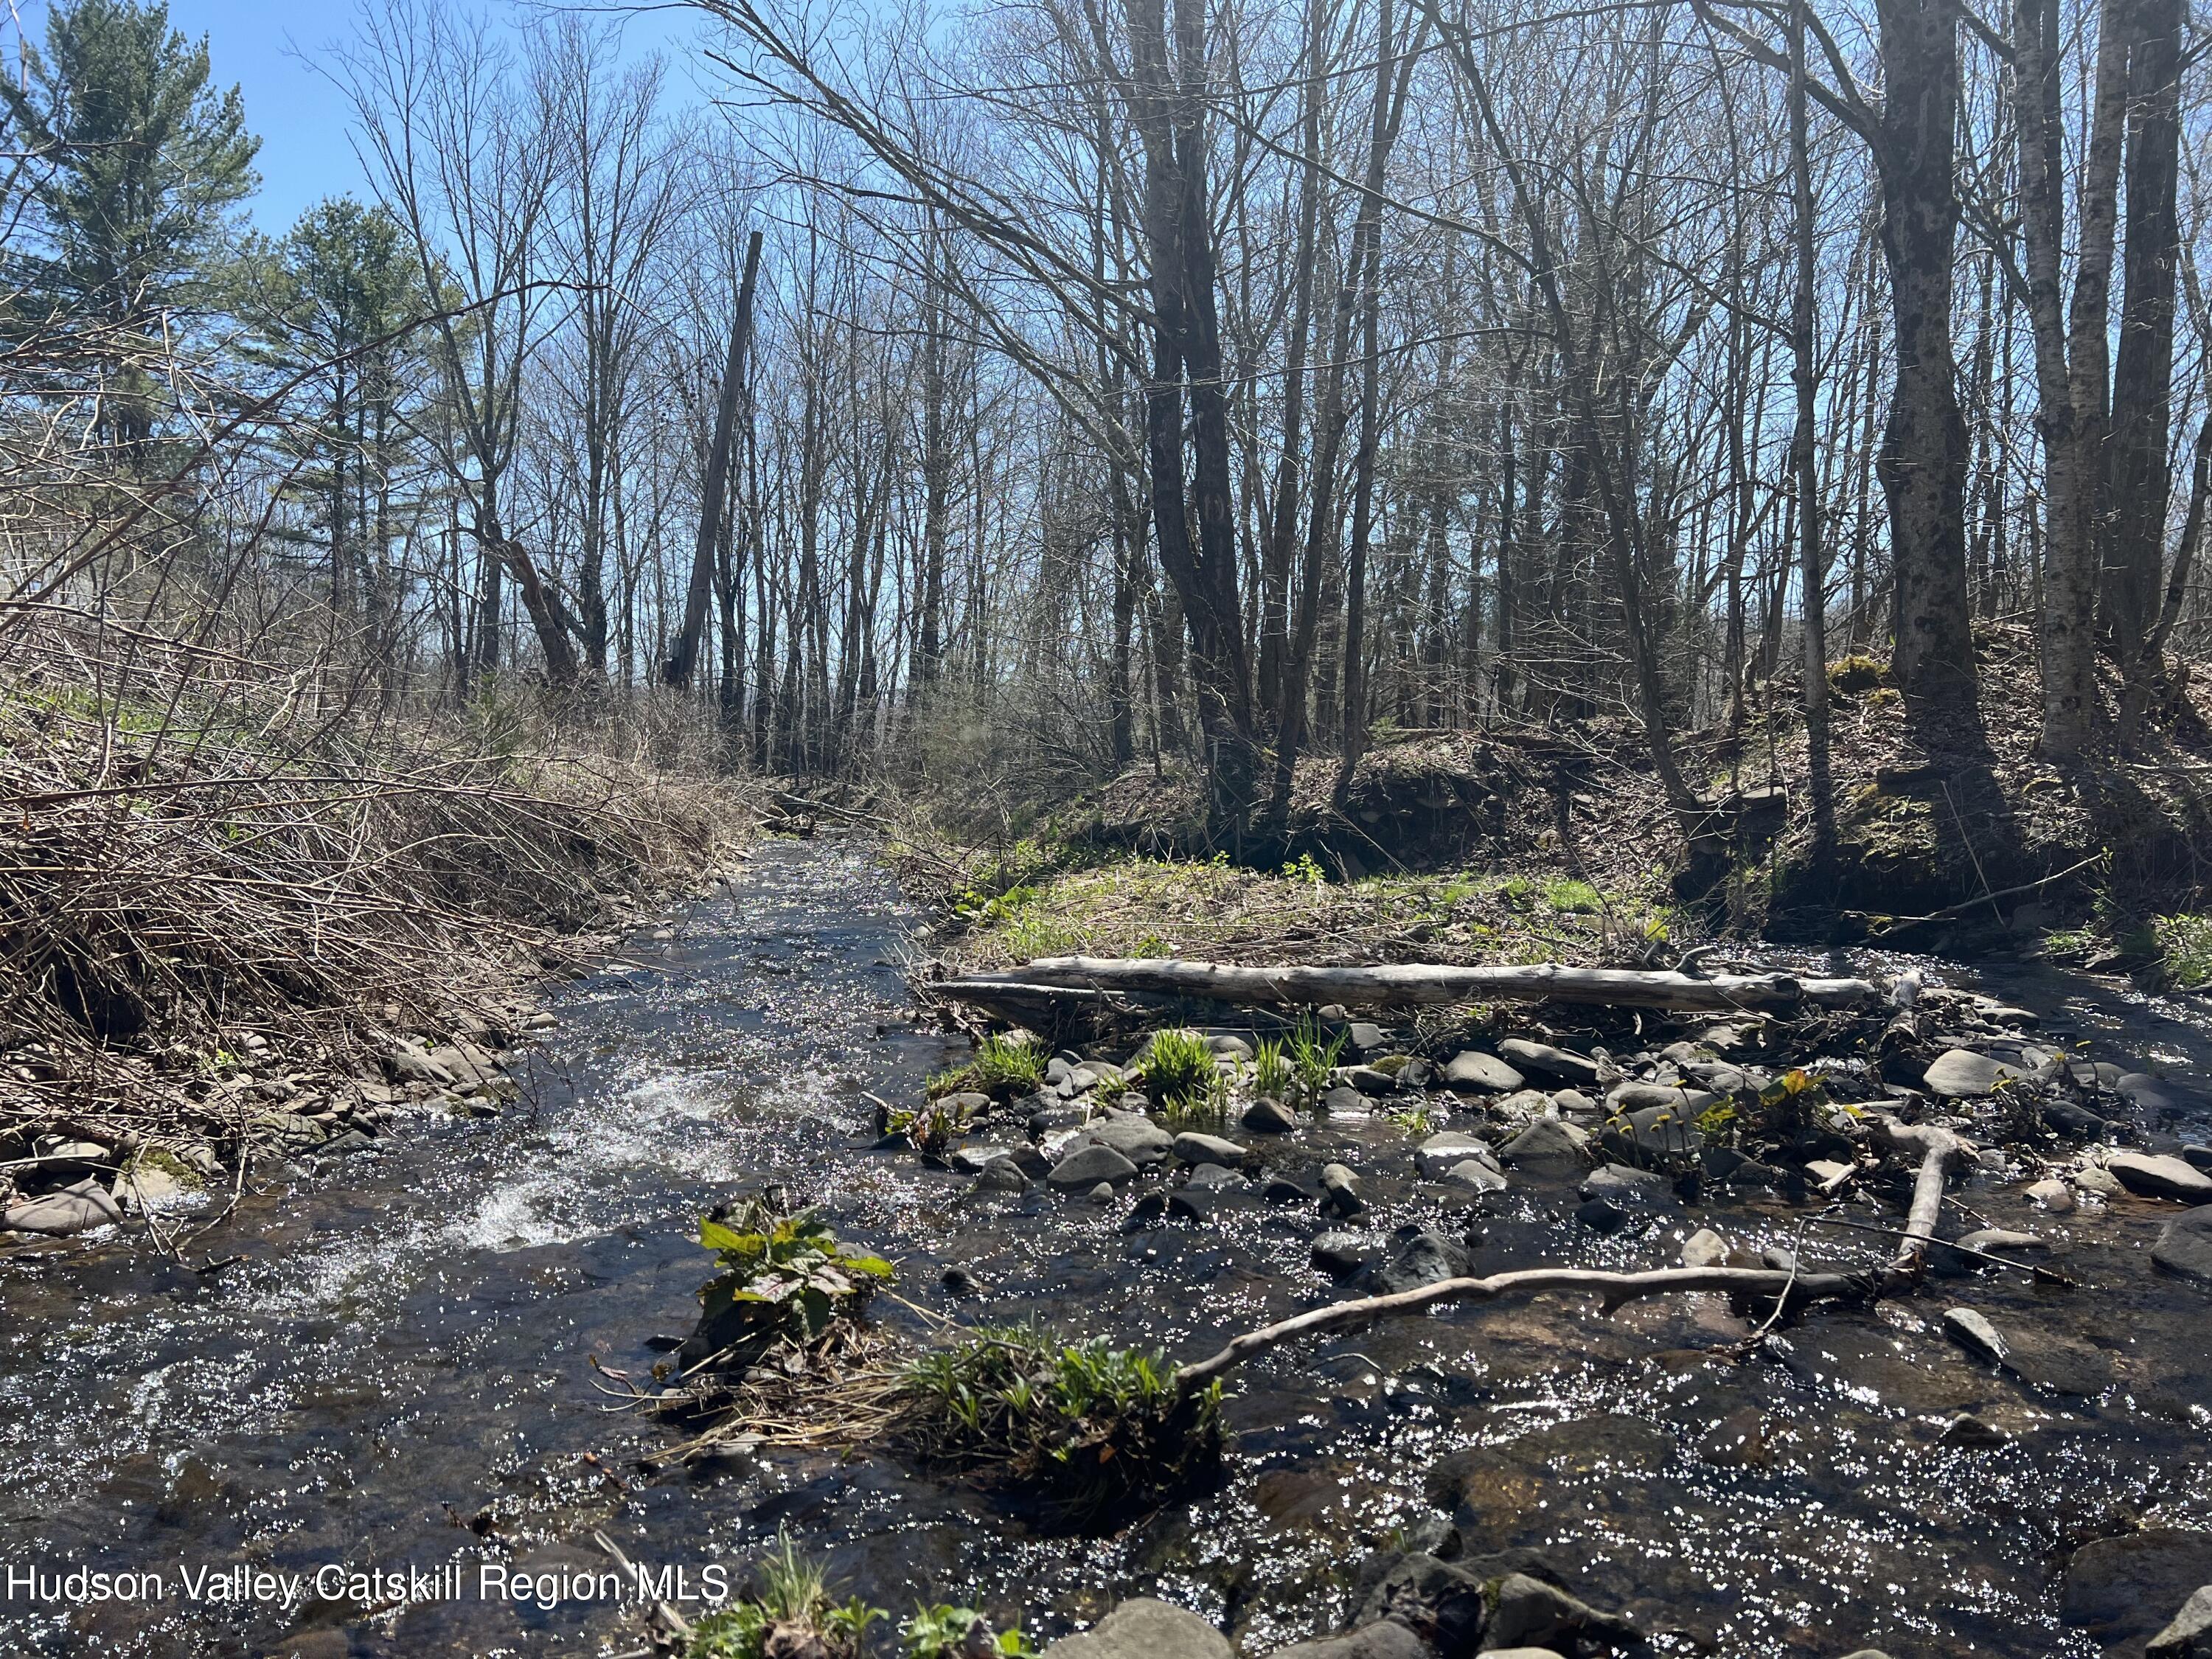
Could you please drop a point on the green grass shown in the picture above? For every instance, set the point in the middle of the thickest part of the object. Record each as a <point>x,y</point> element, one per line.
<point>1178,1068</point>
<point>1004,1066</point>
<point>1272,1074</point>
<point>2184,948</point>
<point>1315,1052</point>
<point>942,1631</point>
<point>1571,897</point>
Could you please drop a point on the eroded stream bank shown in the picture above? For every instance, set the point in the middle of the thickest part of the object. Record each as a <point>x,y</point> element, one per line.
<point>396,1371</point>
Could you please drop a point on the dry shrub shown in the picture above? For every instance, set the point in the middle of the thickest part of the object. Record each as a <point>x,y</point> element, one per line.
<point>197,850</point>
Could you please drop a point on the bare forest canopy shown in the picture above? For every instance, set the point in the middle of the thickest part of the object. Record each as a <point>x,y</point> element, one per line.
<point>1028,391</point>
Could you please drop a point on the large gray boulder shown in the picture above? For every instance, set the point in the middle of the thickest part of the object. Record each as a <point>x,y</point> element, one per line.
<point>1139,1139</point>
<point>1471,1071</point>
<point>2184,1245</point>
<point>2118,1589</point>
<point>1086,1166</point>
<point>76,1210</point>
<point>1386,1639</point>
<point>1143,1628</point>
<point>1541,1060</point>
<point>2154,1174</point>
<point>2190,1635</point>
<point>1962,1074</point>
<point>1441,1152</point>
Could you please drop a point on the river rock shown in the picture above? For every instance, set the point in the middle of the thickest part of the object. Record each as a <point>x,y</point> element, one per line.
<point>1471,1071</point>
<point>2063,1117</point>
<point>1269,1116</point>
<point>1440,1153</point>
<point>1624,1184</point>
<point>2157,1096</point>
<point>1342,1255</point>
<point>1483,1177</point>
<point>2119,1588</point>
<point>1440,1602</point>
<point>1368,1079</point>
<point>2096,1178</point>
<point>2198,1158</point>
<point>1343,1101</point>
<point>2053,1194</point>
<point>2190,1635</point>
<point>1195,1149</point>
<point>411,1062</point>
<point>1139,1139</point>
<point>1424,1259</point>
<point>1385,1639</point>
<point>999,1174</point>
<point>2048,1361</point>
<point>1087,1166</point>
<point>1547,1143</point>
<point>2184,1245</point>
<point>1529,1613</point>
<point>1706,1248</point>
<point>1340,1191</point>
<point>1365,1037</point>
<point>1144,1628</point>
<point>75,1210</point>
<point>1962,1074</point>
<point>1541,1060</point>
<point>1573,1103</point>
<point>1216,1178</point>
<point>2152,1175</point>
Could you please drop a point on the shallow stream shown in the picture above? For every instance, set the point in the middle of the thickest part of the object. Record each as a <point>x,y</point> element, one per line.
<point>397,1370</point>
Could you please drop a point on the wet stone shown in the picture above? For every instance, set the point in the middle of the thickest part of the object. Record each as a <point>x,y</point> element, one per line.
<point>2121,1589</point>
<point>1088,1166</point>
<point>1343,1102</point>
<point>76,1210</point>
<point>1268,1116</point>
<point>1346,1255</point>
<point>1385,1639</point>
<point>1541,1060</point>
<point>2184,1245</point>
<point>1471,1071</point>
<point>2053,1194</point>
<point>1483,1177</point>
<point>1962,1074</point>
<point>1368,1079</point>
<point>1424,1259</point>
<point>1441,1152</point>
<point>2149,1175</point>
<point>1139,1139</point>
<point>1143,1628</point>
<point>2190,1635</point>
<point>2075,1122</point>
<point>1197,1149</point>
<point>1547,1141</point>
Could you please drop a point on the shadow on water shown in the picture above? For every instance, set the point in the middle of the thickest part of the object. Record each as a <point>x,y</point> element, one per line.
<point>398,1371</point>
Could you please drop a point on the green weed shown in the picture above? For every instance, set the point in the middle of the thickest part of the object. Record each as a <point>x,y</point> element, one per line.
<point>942,1632</point>
<point>790,1592</point>
<point>1570,897</point>
<point>1272,1075</point>
<point>1178,1068</point>
<point>1314,1053</point>
<point>1004,1066</point>
<point>784,1277</point>
<point>1094,1429</point>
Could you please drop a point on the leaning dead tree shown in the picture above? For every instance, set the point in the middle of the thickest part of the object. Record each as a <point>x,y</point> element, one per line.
<point>1403,985</point>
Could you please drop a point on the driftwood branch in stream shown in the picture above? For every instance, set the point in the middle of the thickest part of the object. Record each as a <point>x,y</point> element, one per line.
<point>1939,1150</point>
<point>1407,985</point>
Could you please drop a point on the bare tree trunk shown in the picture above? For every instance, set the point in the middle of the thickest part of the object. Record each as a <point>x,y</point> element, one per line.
<point>677,671</point>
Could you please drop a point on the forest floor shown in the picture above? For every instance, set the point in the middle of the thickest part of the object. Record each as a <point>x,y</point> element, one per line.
<point>239,927</point>
<point>1555,843</point>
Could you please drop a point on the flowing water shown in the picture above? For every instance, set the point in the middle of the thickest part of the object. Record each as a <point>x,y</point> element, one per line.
<point>398,1371</point>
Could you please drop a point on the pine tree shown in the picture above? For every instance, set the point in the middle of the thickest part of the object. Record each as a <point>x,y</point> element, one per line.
<point>138,163</point>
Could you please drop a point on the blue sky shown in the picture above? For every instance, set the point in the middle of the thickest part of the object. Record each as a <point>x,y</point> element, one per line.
<point>301,120</point>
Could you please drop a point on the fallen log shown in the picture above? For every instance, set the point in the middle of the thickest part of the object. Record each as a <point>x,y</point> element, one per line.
<point>1411,985</point>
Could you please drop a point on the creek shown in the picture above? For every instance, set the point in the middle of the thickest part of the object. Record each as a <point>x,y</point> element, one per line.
<point>397,1371</point>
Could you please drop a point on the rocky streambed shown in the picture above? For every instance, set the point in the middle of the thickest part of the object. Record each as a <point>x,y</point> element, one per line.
<point>399,1367</point>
